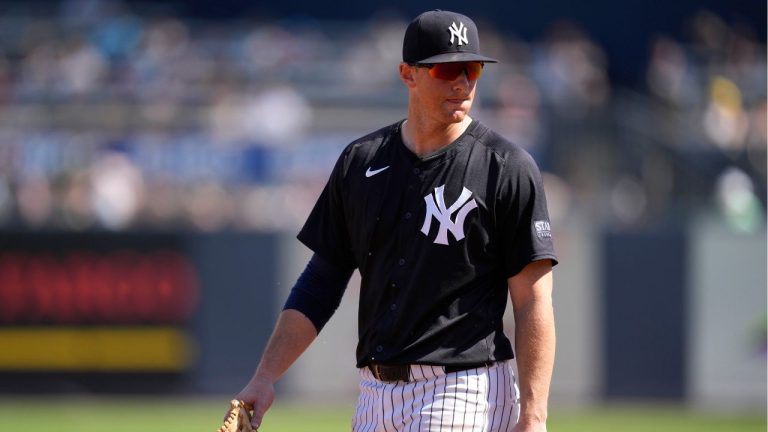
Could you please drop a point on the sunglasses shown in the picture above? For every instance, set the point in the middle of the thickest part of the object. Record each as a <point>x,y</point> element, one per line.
<point>451,71</point>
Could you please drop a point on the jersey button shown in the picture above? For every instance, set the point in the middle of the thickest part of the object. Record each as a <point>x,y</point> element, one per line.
<point>408,215</point>
<point>401,261</point>
<point>379,348</point>
<point>416,171</point>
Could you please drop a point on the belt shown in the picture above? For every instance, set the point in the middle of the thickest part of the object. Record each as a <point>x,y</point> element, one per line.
<point>393,373</point>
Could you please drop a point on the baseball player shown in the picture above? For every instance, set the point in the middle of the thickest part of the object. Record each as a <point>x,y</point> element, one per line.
<point>443,218</point>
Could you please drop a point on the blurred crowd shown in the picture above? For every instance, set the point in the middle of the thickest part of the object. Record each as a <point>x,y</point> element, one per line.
<point>116,118</point>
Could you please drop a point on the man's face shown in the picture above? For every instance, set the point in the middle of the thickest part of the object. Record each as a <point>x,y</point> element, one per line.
<point>444,100</point>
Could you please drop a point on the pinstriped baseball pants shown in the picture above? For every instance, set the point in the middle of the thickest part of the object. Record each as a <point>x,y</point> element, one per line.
<point>485,399</point>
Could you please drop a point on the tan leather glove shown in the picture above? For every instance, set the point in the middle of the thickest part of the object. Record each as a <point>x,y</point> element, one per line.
<point>238,418</point>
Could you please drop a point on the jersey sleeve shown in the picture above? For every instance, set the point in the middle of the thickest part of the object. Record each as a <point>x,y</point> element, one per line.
<point>525,229</point>
<point>325,231</point>
<point>318,291</point>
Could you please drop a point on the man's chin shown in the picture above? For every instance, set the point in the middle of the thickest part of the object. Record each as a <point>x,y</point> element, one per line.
<point>458,116</point>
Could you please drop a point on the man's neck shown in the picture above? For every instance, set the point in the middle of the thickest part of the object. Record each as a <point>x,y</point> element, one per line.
<point>423,138</point>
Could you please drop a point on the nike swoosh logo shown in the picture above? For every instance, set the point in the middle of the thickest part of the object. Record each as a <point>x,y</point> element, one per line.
<point>370,173</point>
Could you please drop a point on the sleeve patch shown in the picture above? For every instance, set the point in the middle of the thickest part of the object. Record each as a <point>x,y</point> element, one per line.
<point>542,229</point>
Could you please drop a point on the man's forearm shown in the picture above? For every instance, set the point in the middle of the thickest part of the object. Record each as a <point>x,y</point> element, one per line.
<point>535,353</point>
<point>293,333</point>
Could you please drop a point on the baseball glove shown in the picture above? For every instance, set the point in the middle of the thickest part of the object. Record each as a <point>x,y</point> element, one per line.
<point>238,418</point>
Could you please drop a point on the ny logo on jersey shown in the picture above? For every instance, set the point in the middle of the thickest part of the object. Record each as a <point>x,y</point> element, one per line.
<point>436,209</point>
<point>459,32</point>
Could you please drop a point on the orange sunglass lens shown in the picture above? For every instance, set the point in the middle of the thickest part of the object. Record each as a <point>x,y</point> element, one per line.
<point>451,71</point>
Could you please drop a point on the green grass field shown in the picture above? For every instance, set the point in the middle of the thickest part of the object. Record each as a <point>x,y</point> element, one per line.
<point>67,414</point>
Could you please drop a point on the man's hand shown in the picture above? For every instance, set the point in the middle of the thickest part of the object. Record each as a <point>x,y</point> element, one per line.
<point>260,393</point>
<point>292,335</point>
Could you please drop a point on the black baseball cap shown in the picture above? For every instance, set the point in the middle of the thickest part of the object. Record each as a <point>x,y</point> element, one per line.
<point>440,36</point>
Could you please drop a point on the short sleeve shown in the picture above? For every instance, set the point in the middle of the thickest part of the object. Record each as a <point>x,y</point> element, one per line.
<point>325,231</point>
<point>525,228</point>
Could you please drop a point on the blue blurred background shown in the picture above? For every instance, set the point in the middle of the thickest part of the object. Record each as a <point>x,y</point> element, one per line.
<point>157,159</point>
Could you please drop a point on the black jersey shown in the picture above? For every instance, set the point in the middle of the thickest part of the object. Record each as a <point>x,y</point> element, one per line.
<point>435,239</point>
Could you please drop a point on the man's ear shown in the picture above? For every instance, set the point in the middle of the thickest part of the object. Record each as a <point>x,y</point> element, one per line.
<point>407,74</point>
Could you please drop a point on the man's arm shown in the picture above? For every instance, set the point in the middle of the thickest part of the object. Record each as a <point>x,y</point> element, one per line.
<point>313,300</point>
<point>293,333</point>
<point>531,293</point>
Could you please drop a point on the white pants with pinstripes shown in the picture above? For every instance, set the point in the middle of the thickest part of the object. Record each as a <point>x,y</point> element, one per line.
<point>485,399</point>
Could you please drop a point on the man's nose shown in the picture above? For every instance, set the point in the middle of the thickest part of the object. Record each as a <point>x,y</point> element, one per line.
<point>462,81</point>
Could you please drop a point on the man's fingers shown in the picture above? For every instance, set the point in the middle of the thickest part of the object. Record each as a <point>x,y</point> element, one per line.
<point>255,399</point>
<point>258,414</point>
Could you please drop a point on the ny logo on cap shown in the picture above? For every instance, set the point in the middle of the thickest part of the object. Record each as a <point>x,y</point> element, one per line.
<point>459,32</point>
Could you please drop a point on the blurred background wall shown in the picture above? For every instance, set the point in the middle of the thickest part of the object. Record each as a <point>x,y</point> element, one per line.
<point>157,160</point>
